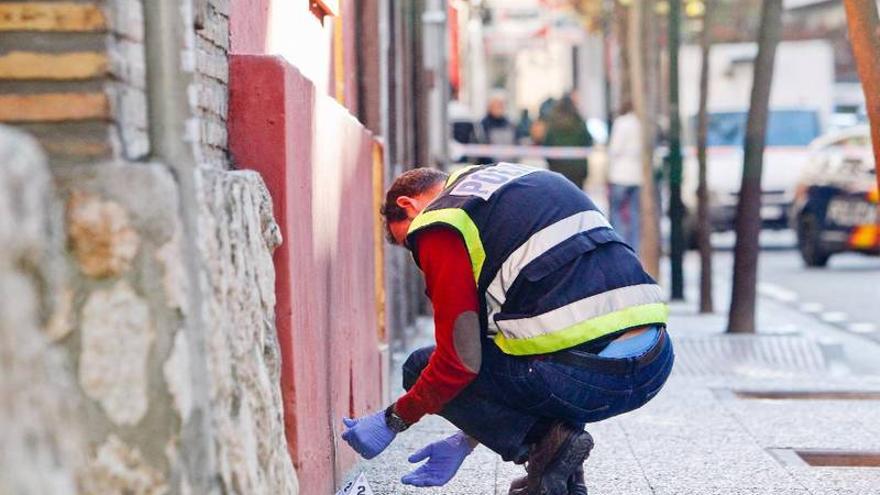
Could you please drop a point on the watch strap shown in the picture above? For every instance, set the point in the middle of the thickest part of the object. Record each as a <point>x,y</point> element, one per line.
<point>395,422</point>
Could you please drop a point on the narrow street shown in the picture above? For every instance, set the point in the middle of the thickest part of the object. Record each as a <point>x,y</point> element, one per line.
<point>843,294</point>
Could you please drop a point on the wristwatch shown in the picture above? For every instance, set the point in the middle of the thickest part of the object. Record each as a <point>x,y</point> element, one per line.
<point>394,422</point>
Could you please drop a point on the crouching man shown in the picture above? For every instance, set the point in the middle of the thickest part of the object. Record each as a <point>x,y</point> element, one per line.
<point>544,321</point>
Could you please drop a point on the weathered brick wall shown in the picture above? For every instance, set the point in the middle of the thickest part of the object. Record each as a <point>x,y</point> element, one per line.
<point>141,328</point>
<point>73,75</point>
<point>211,80</point>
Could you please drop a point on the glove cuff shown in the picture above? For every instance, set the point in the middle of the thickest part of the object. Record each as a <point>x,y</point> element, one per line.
<point>460,438</point>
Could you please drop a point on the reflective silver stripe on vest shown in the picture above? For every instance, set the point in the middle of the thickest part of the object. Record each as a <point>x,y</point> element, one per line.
<point>582,310</point>
<point>538,244</point>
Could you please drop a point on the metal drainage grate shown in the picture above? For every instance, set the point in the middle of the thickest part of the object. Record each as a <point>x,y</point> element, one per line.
<point>827,458</point>
<point>807,394</point>
<point>758,356</point>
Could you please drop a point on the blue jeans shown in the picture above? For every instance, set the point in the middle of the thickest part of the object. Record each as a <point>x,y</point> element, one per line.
<point>511,394</point>
<point>624,212</point>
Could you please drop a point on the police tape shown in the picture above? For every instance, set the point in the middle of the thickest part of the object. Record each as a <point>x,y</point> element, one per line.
<point>500,151</point>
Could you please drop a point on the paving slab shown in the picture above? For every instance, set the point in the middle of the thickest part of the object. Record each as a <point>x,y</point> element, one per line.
<point>839,481</point>
<point>816,424</point>
<point>475,477</point>
<point>613,467</point>
<point>687,438</point>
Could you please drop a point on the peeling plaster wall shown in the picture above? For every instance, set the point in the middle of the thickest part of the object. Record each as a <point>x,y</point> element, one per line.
<point>42,443</point>
<point>243,356</point>
<point>100,408</point>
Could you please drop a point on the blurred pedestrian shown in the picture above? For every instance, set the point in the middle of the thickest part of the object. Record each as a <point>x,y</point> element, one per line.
<point>463,128</point>
<point>524,127</point>
<point>538,131</point>
<point>625,174</point>
<point>497,128</point>
<point>566,127</point>
<point>545,108</point>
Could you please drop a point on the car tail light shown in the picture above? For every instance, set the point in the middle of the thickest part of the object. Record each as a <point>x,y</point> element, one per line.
<point>874,195</point>
<point>865,237</point>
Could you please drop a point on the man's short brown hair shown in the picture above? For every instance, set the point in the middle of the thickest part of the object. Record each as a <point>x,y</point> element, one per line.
<point>410,183</point>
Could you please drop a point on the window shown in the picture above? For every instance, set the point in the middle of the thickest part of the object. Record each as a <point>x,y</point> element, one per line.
<point>784,128</point>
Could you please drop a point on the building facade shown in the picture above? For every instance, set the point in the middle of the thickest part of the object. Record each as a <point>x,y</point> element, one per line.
<point>188,227</point>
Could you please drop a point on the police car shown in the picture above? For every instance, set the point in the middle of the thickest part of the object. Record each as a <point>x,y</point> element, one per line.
<point>836,200</point>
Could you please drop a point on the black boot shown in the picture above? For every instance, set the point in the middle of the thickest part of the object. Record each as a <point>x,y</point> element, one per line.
<point>554,461</point>
<point>576,483</point>
<point>571,456</point>
<point>519,486</point>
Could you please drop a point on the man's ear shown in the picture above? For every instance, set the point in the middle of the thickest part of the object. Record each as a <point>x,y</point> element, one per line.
<point>406,202</point>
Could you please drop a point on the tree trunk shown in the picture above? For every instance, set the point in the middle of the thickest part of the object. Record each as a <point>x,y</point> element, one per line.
<point>642,49</point>
<point>864,34</point>
<point>649,199</point>
<point>674,158</point>
<point>622,18</point>
<point>748,210</point>
<point>704,229</point>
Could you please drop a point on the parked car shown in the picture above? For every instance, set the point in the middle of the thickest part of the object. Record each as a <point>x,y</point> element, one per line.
<point>789,133</point>
<point>801,102</point>
<point>836,200</point>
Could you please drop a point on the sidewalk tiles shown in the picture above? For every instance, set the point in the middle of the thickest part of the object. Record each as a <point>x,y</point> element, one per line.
<point>697,436</point>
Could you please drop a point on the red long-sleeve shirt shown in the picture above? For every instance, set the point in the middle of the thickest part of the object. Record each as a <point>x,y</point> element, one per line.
<point>450,282</point>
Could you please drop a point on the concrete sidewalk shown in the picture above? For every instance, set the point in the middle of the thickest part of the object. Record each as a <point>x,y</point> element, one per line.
<point>697,436</point>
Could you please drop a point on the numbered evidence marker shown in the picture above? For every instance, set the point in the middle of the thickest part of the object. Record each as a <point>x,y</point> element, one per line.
<point>344,489</point>
<point>484,183</point>
<point>360,486</point>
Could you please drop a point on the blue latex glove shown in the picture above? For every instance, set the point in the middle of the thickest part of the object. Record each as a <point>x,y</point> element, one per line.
<point>369,435</point>
<point>444,459</point>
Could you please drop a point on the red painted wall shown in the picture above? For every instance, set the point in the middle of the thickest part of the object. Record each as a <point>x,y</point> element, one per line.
<point>248,26</point>
<point>316,160</point>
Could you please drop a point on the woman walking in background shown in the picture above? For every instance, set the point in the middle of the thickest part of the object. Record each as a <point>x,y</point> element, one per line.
<point>625,175</point>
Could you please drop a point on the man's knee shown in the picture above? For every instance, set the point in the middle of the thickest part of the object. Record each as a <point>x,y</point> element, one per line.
<point>414,365</point>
